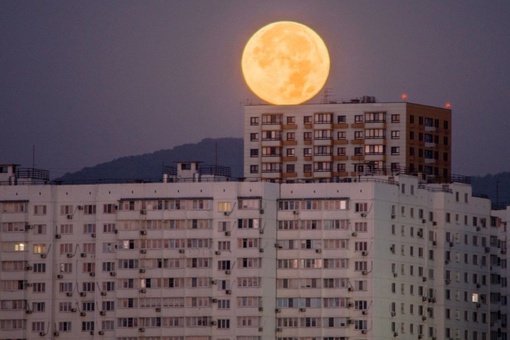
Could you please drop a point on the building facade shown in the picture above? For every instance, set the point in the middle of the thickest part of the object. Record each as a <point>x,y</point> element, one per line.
<point>380,258</point>
<point>323,141</point>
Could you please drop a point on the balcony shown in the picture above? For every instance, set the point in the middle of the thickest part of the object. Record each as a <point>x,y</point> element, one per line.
<point>340,141</point>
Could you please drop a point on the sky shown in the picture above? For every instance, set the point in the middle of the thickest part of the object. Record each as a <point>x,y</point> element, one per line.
<point>86,82</point>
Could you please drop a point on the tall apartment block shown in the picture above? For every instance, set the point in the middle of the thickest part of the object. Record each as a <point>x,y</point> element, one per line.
<point>198,258</point>
<point>346,140</point>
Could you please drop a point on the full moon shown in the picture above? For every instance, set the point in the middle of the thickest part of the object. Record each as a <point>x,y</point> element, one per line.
<point>285,63</point>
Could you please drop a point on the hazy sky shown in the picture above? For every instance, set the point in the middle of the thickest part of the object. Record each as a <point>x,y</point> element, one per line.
<point>90,81</point>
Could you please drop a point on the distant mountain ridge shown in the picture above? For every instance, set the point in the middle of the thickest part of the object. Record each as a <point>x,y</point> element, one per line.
<point>149,167</point>
<point>229,152</point>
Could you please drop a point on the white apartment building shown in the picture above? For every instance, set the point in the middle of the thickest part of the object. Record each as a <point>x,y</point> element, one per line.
<point>196,259</point>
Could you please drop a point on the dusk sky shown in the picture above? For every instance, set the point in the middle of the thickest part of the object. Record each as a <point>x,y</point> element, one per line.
<point>90,81</point>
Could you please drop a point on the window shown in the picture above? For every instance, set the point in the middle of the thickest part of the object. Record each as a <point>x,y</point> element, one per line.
<point>65,326</point>
<point>307,136</point>
<point>89,228</point>
<point>323,118</point>
<point>224,206</point>
<point>341,119</point>
<point>223,323</point>
<point>291,136</point>
<point>341,167</point>
<point>358,119</point>
<point>395,118</point>
<point>272,119</point>
<point>254,121</point>
<point>395,150</point>
<point>341,135</point>
<point>254,152</point>
<point>375,134</point>
<point>291,120</point>
<point>39,210</point>
<point>307,120</point>
<point>340,151</point>
<point>358,134</point>
<point>395,134</point>
<point>271,167</point>
<point>375,117</point>
<point>254,137</point>
<point>290,168</point>
<point>254,169</point>
<point>374,149</point>
<point>307,152</point>
<point>89,209</point>
<point>322,166</point>
<point>271,135</point>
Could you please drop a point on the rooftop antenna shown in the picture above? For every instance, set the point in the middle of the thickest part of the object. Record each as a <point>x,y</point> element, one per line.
<point>327,95</point>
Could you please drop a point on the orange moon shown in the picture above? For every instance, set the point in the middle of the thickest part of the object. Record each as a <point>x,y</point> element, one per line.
<point>285,63</point>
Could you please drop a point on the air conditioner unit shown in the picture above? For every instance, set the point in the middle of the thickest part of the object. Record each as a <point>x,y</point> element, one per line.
<point>424,298</point>
<point>228,291</point>
<point>60,276</point>
<point>58,236</point>
<point>226,213</point>
<point>420,234</point>
<point>29,284</point>
<point>101,332</point>
<point>478,285</point>
<point>113,273</point>
<point>141,270</point>
<point>350,305</point>
<point>141,329</point>
<point>395,275</point>
<point>158,309</point>
<point>92,274</point>
<point>228,272</point>
<point>213,323</point>
<point>423,221</point>
<point>28,227</point>
<point>261,231</point>
<point>80,207</point>
<point>213,282</point>
<point>261,309</point>
<point>434,243</point>
<point>28,311</point>
<point>56,333</point>
<point>217,252</point>
<point>350,321</point>
<point>69,217</point>
<point>93,235</point>
<point>83,314</point>
<point>102,313</point>
<point>227,233</point>
<point>487,249</point>
<point>395,334</point>
<point>28,267</point>
<point>364,272</point>
<point>42,334</point>
<point>83,255</point>
<point>43,256</point>
<point>434,223</point>
<point>261,211</point>
<point>103,293</point>
<point>393,216</point>
<point>143,251</point>
<point>261,250</point>
<point>451,244</point>
<point>69,255</point>
<point>277,310</point>
<point>354,234</point>
<point>318,251</point>
<point>69,294</point>
<point>350,289</point>
<point>424,279</point>
<point>279,329</point>
<point>143,290</point>
<point>424,318</point>
<point>364,253</point>
<point>83,294</point>
<point>392,248</point>
<point>363,214</point>
<point>477,228</point>
<point>91,332</point>
<point>116,231</point>
<point>278,246</point>
<point>302,309</point>
<point>261,329</point>
<point>363,331</point>
<point>143,232</point>
<point>73,310</point>
<point>364,312</point>
<point>214,300</point>
<point>295,212</point>
<point>393,314</point>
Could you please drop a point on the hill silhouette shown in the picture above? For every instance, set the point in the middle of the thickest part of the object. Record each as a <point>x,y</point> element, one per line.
<point>229,152</point>
<point>149,167</point>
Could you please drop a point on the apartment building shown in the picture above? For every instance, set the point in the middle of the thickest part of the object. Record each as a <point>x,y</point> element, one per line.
<point>197,258</point>
<point>345,140</point>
